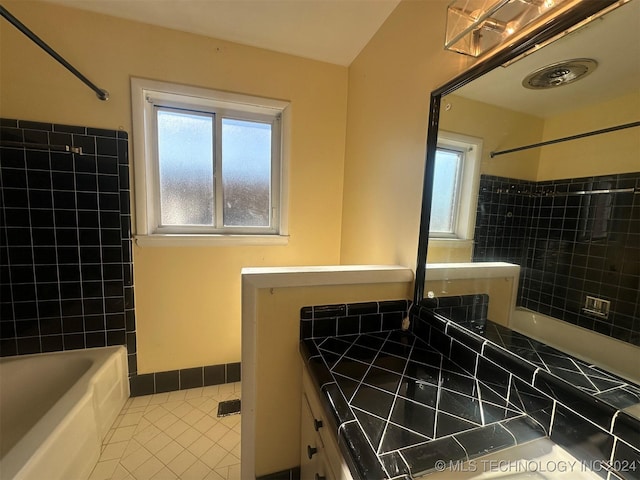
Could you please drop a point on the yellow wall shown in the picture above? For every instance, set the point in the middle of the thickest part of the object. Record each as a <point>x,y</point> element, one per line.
<point>389,87</point>
<point>610,153</point>
<point>187,299</point>
<point>448,251</point>
<point>499,128</point>
<point>278,370</point>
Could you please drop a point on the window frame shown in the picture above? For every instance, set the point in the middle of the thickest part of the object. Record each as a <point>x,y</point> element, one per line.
<point>469,183</point>
<point>147,97</point>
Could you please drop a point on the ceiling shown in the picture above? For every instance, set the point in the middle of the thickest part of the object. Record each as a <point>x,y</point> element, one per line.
<point>612,40</point>
<point>333,31</point>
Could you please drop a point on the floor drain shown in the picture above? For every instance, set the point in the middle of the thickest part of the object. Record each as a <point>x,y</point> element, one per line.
<point>228,407</point>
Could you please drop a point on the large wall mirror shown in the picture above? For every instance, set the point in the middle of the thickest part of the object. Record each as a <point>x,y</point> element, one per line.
<point>557,185</point>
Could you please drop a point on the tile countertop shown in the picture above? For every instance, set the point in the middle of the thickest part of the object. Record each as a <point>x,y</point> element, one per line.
<point>534,355</point>
<point>399,406</point>
<point>464,318</point>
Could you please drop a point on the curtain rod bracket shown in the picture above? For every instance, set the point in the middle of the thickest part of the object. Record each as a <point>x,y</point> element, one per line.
<point>100,93</point>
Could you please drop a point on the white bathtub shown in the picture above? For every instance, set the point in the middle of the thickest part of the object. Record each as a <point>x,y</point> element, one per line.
<point>56,408</point>
<point>613,355</point>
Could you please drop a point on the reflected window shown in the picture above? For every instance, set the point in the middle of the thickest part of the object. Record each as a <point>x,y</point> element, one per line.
<point>455,187</point>
<point>446,191</point>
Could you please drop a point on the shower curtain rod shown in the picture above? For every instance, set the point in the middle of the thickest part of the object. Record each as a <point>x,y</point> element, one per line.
<point>546,194</point>
<point>100,93</point>
<point>635,191</point>
<point>565,139</point>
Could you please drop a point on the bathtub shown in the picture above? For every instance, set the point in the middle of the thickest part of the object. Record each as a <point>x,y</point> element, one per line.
<point>618,357</point>
<point>56,408</point>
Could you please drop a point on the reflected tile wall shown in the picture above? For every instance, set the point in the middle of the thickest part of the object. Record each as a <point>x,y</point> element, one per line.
<point>569,245</point>
<point>66,274</point>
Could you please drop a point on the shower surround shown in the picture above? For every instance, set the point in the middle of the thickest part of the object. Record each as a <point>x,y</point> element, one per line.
<point>570,244</point>
<point>66,273</point>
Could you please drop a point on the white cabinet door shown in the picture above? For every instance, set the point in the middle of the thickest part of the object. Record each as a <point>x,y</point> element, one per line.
<point>310,444</point>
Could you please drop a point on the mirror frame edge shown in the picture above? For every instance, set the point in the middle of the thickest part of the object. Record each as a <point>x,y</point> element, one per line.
<point>542,33</point>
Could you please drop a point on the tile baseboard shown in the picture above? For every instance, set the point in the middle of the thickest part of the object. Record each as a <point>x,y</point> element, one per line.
<point>172,380</point>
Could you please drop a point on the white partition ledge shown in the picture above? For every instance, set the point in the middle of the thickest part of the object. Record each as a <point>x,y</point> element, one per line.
<point>254,279</point>
<point>457,271</point>
<point>477,271</point>
<point>267,277</point>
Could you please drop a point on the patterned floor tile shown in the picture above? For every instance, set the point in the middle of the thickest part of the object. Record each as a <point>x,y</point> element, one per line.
<point>173,436</point>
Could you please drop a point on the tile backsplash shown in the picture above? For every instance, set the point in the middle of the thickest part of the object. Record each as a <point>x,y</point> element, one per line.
<point>570,244</point>
<point>352,318</point>
<point>66,273</point>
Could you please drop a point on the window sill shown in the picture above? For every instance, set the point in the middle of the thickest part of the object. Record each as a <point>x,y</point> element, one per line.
<point>450,242</point>
<point>176,240</point>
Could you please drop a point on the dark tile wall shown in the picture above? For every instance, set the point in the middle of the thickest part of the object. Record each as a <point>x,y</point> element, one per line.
<point>66,267</point>
<point>470,310</point>
<point>352,318</point>
<point>602,437</point>
<point>66,274</point>
<point>569,245</point>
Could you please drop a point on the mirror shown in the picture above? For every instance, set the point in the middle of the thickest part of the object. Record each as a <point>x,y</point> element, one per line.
<point>567,212</point>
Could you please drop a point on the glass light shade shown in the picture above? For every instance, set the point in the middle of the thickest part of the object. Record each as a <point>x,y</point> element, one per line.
<point>474,27</point>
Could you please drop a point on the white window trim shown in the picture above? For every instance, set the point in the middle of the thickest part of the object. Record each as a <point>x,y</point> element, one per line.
<point>144,163</point>
<point>468,193</point>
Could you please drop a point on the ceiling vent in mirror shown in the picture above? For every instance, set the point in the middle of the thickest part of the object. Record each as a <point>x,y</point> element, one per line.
<point>558,74</point>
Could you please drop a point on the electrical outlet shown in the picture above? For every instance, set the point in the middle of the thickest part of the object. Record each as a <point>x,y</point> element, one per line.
<point>597,306</point>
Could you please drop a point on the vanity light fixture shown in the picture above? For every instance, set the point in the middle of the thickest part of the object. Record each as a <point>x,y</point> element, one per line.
<point>476,26</point>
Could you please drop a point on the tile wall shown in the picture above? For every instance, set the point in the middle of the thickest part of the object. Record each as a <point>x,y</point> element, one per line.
<point>66,273</point>
<point>352,318</point>
<point>569,245</point>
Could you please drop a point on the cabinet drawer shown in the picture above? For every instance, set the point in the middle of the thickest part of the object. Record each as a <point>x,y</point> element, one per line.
<point>329,462</point>
<point>314,403</point>
<point>312,457</point>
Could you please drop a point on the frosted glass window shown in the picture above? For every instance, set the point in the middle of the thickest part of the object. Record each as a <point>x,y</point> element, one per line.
<point>185,164</point>
<point>444,204</point>
<point>209,166</point>
<point>246,172</point>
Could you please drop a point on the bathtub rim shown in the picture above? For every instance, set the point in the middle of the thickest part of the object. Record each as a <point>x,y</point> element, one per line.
<point>582,343</point>
<point>33,445</point>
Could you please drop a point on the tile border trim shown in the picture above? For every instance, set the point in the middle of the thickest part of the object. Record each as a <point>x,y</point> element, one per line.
<point>173,380</point>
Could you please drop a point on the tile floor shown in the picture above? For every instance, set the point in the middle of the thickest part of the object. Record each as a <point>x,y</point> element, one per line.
<point>175,435</point>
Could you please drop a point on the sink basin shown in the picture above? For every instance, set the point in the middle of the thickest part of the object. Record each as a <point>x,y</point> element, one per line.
<point>540,459</point>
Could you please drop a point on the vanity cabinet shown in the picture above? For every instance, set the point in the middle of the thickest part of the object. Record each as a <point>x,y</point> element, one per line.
<point>320,457</point>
